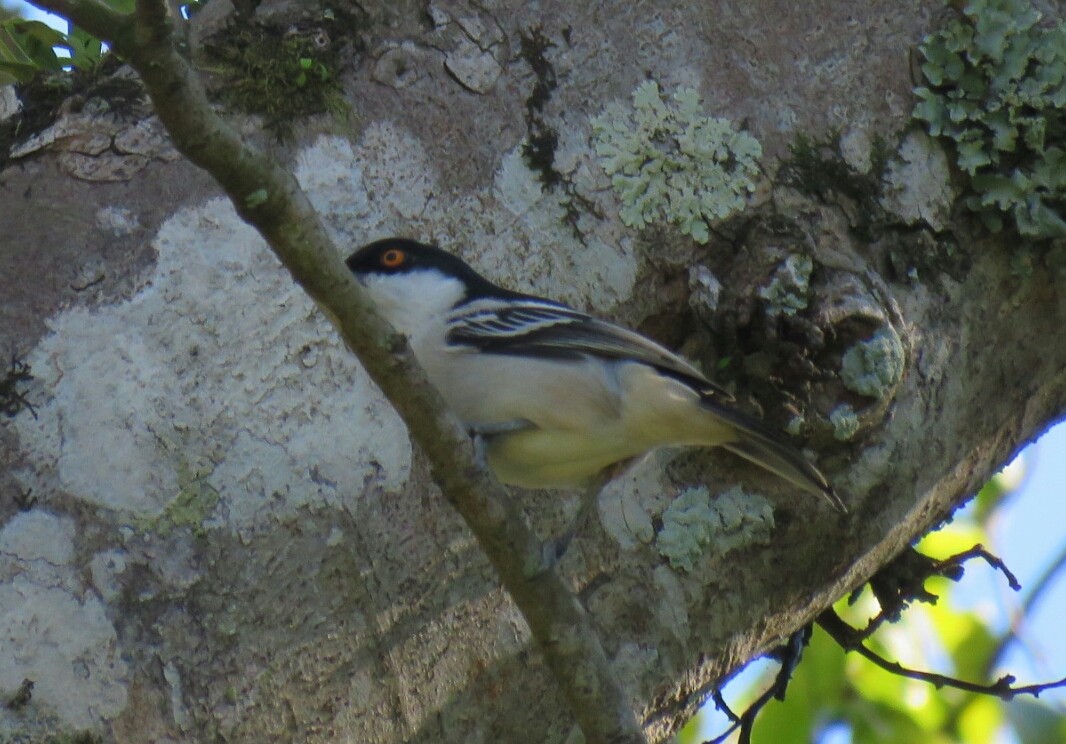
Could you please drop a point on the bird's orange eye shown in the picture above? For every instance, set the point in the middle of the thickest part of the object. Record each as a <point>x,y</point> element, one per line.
<point>393,258</point>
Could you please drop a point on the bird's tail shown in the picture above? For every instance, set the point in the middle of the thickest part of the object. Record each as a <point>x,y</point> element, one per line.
<point>755,443</point>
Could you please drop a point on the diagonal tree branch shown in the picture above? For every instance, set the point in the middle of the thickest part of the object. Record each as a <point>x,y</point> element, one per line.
<point>268,197</point>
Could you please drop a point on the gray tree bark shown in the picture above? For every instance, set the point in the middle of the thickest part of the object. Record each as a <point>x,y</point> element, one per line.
<point>229,536</point>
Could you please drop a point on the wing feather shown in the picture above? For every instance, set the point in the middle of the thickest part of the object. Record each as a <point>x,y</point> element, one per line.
<point>542,328</point>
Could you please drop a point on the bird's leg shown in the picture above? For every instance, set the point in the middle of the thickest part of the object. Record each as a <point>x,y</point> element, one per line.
<point>482,433</point>
<point>553,550</point>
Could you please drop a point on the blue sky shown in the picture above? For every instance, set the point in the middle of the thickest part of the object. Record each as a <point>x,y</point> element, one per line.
<point>28,11</point>
<point>1028,534</point>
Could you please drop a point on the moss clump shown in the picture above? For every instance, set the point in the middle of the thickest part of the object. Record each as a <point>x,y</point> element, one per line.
<point>670,162</point>
<point>188,509</point>
<point>541,138</point>
<point>997,90</point>
<point>282,74</point>
<point>817,167</point>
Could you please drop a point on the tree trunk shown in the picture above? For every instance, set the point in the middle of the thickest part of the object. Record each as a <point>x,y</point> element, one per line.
<point>215,528</point>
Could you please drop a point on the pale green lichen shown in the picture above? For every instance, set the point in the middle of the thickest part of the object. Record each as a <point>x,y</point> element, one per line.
<point>786,294</point>
<point>195,502</point>
<point>670,162</point>
<point>845,422</point>
<point>694,523</point>
<point>875,366</point>
<point>997,88</point>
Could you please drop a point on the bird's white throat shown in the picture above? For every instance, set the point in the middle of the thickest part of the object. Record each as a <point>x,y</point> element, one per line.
<point>410,300</point>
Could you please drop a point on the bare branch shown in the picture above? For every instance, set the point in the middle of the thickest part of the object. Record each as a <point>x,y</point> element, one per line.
<point>850,640</point>
<point>268,197</point>
<point>979,551</point>
<point>789,654</point>
<point>903,581</point>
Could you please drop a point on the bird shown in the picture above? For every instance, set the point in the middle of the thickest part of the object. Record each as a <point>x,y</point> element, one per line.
<point>556,397</point>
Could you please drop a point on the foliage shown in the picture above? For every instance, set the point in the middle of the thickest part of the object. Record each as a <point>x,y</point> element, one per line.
<point>997,89</point>
<point>844,697</point>
<point>29,47</point>
<point>670,162</point>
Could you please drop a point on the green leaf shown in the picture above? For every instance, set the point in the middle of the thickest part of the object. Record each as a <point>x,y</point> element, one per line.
<point>981,719</point>
<point>1050,171</point>
<point>931,109</point>
<point>1004,133</point>
<point>1034,132</point>
<point>967,639</point>
<point>28,47</point>
<point>85,49</point>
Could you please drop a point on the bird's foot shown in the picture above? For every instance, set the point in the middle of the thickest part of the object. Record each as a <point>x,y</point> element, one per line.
<point>552,551</point>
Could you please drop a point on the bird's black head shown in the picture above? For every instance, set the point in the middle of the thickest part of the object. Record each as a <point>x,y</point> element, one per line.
<point>391,256</point>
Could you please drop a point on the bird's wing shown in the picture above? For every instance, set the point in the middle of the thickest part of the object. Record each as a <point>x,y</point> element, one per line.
<point>536,327</point>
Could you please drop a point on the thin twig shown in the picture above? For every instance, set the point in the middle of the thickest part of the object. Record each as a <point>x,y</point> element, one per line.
<point>848,639</point>
<point>788,654</point>
<point>979,551</point>
<point>950,567</point>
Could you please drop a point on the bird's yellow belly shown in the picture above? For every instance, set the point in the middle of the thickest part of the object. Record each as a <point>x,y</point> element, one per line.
<point>555,458</point>
<point>573,448</point>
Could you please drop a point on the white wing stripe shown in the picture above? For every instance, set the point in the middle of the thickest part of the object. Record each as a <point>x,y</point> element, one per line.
<point>513,319</point>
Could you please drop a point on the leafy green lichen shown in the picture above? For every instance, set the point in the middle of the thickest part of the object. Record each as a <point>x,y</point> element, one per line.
<point>997,89</point>
<point>845,422</point>
<point>874,367</point>
<point>670,162</point>
<point>694,522</point>
<point>786,294</point>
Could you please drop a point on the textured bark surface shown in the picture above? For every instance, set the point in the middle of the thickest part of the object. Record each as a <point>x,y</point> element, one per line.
<point>232,539</point>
